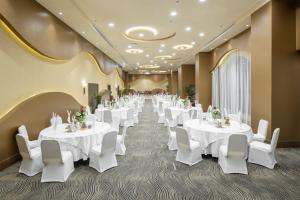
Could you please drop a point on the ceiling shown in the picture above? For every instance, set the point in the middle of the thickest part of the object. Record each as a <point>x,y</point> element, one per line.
<point>200,25</point>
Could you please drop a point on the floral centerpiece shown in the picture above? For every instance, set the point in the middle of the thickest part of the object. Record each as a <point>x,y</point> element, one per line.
<point>216,114</point>
<point>80,116</point>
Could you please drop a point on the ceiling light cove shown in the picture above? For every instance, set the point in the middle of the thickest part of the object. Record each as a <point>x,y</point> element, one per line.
<point>149,66</point>
<point>182,47</point>
<point>134,51</point>
<point>140,29</point>
<point>145,34</point>
<point>163,57</point>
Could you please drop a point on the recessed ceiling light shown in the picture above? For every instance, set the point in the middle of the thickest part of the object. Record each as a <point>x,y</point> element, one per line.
<point>134,51</point>
<point>201,34</point>
<point>173,13</point>
<point>182,47</point>
<point>83,32</point>
<point>141,28</point>
<point>160,50</point>
<point>163,57</point>
<point>188,28</point>
<point>162,45</point>
<point>60,13</point>
<point>201,1</point>
<point>247,25</point>
<point>193,43</point>
<point>171,64</point>
<point>147,55</point>
<point>141,35</point>
<point>111,24</point>
<point>129,46</point>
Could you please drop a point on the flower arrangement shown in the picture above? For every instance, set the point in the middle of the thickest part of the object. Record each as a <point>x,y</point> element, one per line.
<point>216,114</point>
<point>80,116</point>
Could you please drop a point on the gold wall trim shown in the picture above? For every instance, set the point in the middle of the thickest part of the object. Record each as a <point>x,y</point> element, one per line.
<point>223,58</point>
<point>6,26</point>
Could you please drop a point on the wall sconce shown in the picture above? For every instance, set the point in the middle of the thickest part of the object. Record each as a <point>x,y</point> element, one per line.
<point>84,85</point>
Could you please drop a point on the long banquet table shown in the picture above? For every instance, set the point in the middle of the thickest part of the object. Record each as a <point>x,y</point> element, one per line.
<point>79,142</point>
<point>211,138</point>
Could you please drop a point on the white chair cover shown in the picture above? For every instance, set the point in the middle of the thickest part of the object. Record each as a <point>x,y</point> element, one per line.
<point>161,114</point>
<point>168,115</point>
<point>103,157</point>
<point>264,154</point>
<point>23,131</point>
<point>31,158</point>
<point>172,143</point>
<point>232,157</point>
<point>189,151</point>
<point>261,131</point>
<point>120,146</point>
<point>58,165</point>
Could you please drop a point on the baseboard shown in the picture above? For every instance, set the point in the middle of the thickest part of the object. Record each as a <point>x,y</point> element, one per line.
<point>9,161</point>
<point>287,144</point>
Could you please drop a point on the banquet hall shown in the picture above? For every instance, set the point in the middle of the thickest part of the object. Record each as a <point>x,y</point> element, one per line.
<point>149,99</point>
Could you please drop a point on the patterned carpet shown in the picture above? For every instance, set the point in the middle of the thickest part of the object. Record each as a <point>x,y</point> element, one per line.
<point>149,171</point>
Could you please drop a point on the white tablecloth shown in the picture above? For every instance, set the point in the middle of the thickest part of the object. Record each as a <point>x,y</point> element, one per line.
<point>79,142</point>
<point>211,137</point>
<point>119,113</point>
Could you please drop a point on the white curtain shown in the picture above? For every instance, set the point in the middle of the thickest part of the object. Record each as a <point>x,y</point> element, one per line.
<point>215,88</point>
<point>231,85</point>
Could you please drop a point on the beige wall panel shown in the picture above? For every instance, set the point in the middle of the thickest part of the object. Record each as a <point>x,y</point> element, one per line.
<point>23,74</point>
<point>141,82</point>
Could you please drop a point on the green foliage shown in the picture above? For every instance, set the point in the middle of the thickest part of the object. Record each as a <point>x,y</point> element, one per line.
<point>190,90</point>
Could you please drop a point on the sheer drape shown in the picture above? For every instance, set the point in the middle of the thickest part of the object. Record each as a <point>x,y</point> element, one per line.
<point>231,85</point>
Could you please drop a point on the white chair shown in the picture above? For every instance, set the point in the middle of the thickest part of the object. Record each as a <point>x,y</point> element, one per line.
<point>31,158</point>
<point>172,143</point>
<point>225,113</point>
<point>23,131</point>
<point>161,114</point>
<point>120,146</point>
<point>261,131</point>
<point>168,116</point>
<point>130,118</point>
<point>232,157</point>
<point>103,157</point>
<point>264,154</point>
<point>136,113</point>
<point>189,151</point>
<point>58,165</point>
<point>185,117</point>
<point>113,121</point>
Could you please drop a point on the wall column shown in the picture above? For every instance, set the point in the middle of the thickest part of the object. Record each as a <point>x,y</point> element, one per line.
<point>186,76</point>
<point>203,79</point>
<point>174,82</point>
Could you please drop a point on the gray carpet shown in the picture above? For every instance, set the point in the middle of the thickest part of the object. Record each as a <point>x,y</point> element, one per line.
<point>149,171</point>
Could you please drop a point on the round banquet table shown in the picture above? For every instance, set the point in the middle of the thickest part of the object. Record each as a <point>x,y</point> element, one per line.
<point>79,142</point>
<point>119,113</point>
<point>211,138</point>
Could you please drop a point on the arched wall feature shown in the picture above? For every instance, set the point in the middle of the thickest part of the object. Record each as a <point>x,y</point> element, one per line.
<point>34,113</point>
<point>24,74</point>
<point>37,26</point>
<point>231,84</point>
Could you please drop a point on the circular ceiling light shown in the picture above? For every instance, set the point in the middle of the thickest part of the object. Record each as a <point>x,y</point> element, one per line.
<point>188,29</point>
<point>111,24</point>
<point>141,29</point>
<point>173,13</point>
<point>201,34</point>
<point>134,51</point>
<point>182,47</point>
